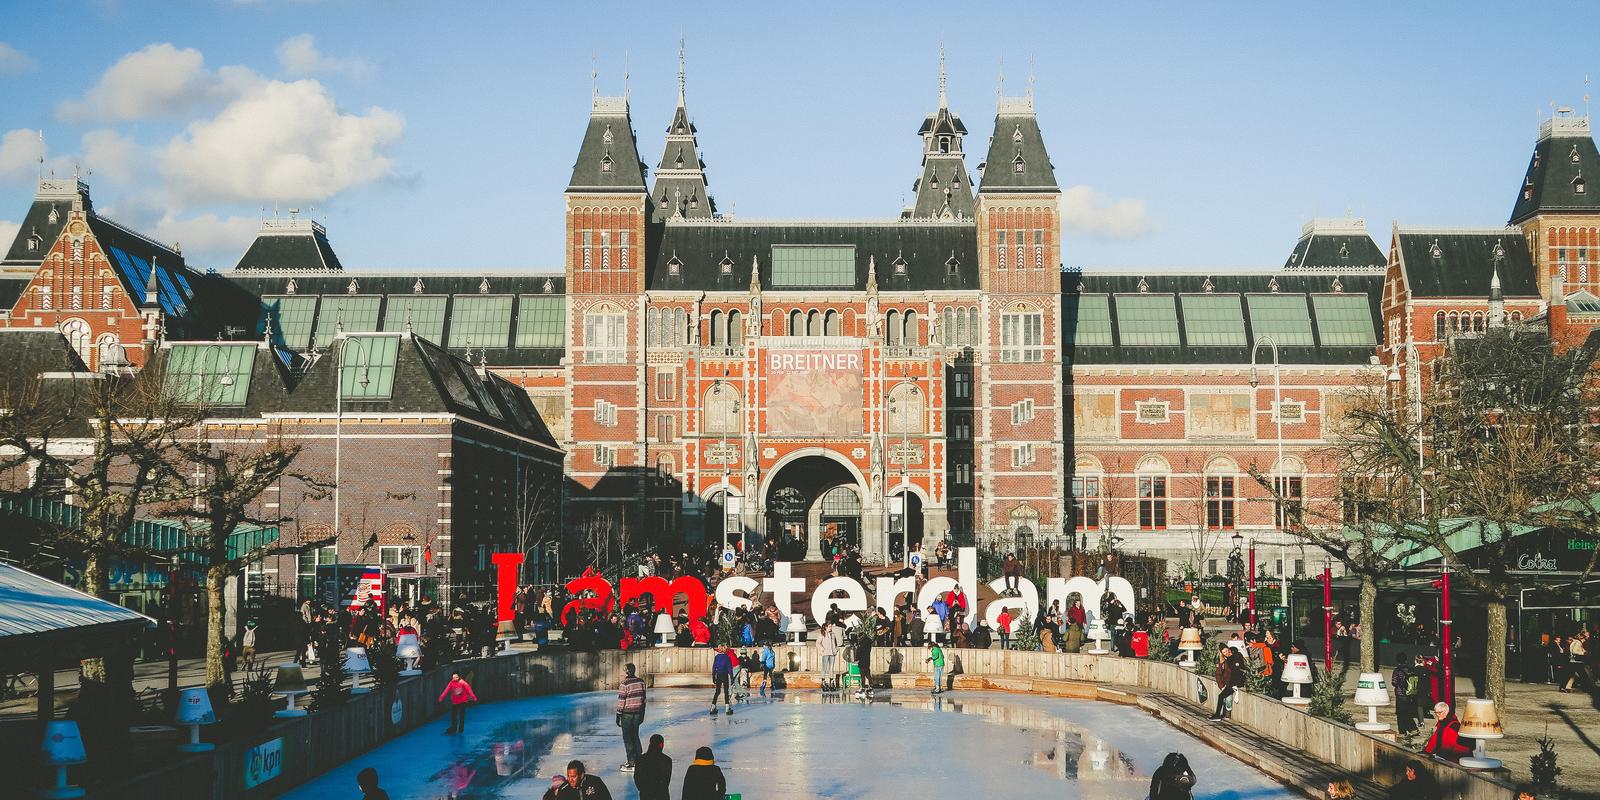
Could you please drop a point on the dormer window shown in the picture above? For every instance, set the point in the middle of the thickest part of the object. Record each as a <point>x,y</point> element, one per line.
<point>674,266</point>
<point>606,137</point>
<point>1435,250</point>
<point>55,215</point>
<point>605,163</point>
<point>1017,164</point>
<point>899,265</point>
<point>679,161</point>
<point>33,243</point>
<point>952,265</point>
<point>1536,159</point>
<point>1578,185</point>
<point>694,200</point>
<point>1574,155</point>
<point>1527,189</point>
<point>933,181</point>
<point>1016,134</point>
<point>726,265</point>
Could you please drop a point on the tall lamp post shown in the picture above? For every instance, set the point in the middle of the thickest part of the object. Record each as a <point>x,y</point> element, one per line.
<point>1327,615</point>
<point>1447,638</point>
<point>1280,480</point>
<point>172,629</point>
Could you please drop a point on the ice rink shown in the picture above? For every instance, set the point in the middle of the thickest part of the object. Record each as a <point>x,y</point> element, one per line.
<point>907,744</point>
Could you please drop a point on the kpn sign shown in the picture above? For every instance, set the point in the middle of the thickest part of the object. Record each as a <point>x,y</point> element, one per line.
<point>263,762</point>
<point>847,595</point>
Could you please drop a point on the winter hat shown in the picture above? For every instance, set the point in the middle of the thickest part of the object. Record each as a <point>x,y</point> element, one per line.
<point>557,781</point>
<point>703,754</point>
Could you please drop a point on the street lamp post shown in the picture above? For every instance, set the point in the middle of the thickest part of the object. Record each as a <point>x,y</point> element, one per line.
<point>1280,481</point>
<point>172,629</point>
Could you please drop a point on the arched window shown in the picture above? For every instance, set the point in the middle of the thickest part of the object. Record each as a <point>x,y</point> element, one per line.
<point>653,327</point>
<point>891,328</point>
<point>796,323</point>
<point>1438,326</point>
<point>718,337</point>
<point>722,409</point>
<point>814,323</point>
<point>78,335</point>
<point>107,351</point>
<point>830,323</point>
<point>1088,484</point>
<point>1024,525</point>
<point>947,328</point>
<point>905,409</point>
<point>972,335</point>
<point>1289,484</point>
<point>1153,472</point>
<point>1221,493</point>
<point>735,330</point>
<point>841,501</point>
<point>1477,321</point>
<point>911,337</point>
<point>1516,316</point>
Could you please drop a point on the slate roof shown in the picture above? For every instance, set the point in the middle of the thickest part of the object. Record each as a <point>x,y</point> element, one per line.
<point>680,181</point>
<point>1451,262</point>
<point>53,195</point>
<point>1017,135</point>
<point>427,379</point>
<point>1112,286</point>
<point>1336,245</point>
<point>1564,159</point>
<point>26,353</point>
<point>11,289</point>
<point>239,313</point>
<point>609,117</point>
<point>34,607</point>
<point>290,245</point>
<point>927,248</point>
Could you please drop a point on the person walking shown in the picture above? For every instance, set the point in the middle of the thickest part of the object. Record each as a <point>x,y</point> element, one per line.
<point>653,776</point>
<point>1003,626</point>
<point>581,785</point>
<point>460,694</point>
<point>367,782</point>
<point>1405,702</point>
<point>703,780</point>
<point>936,658</point>
<point>1173,780</point>
<point>1578,661</point>
<point>1230,676</point>
<point>1445,741</point>
<point>768,662</point>
<point>630,713</point>
<point>722,679</point>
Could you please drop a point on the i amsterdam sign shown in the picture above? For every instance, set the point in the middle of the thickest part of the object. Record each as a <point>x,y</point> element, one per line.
<point>847,595</point>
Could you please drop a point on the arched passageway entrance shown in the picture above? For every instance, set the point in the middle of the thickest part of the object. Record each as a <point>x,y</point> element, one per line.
<point>905,522</point>
<point>813,503</point>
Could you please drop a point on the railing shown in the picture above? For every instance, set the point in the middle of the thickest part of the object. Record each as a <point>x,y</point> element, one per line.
<point>723,352</point>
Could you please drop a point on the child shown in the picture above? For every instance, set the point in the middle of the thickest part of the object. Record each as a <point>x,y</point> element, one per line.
<point>741,674</point>
<point>769,662</point>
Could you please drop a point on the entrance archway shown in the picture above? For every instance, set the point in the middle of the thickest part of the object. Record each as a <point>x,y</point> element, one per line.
<point>907,530</point>
<point>811,501</point>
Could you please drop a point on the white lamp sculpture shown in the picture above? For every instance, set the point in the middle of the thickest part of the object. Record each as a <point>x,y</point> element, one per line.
<point>1373,693</point>
<point>357,664</point>
<point>1098,634</point>
<point>409,650</point>
<point>932,628</point>
<point>505,632</point>
<point>194,710</point>
<point>1189,642</point>
<point>1241,647</point>
<point>1297,673</point>
<point>62,747</point>
<point>665,629</point>
<point>797,628</point>
<point>1481,721</point>
<point>290,683</point>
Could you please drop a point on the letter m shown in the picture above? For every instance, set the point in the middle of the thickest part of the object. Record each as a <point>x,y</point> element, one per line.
<point>666,594</point>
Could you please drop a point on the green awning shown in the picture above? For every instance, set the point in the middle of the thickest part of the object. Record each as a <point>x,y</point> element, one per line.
<point>158,536</point>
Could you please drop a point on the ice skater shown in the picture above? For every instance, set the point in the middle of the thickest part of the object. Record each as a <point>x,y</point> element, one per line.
<point>721,678</point>
<point>936,658</point>
<point>768,663</point>
<point>1173,780</point>
<point>630,713</point>
<point>828,648</point>
<point>460,694</point>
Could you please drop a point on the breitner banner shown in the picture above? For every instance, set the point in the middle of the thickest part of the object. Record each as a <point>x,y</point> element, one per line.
<point>814,392</point>
<point>845,594</point>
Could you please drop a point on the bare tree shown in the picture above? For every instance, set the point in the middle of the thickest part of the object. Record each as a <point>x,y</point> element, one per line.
<point>606,539</point>
<point>537,514</point>
<point>232,476</point>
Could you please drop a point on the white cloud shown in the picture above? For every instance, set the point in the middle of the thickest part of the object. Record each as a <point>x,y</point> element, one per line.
<point>8,234</point>
<point>19,153</point>
<point>1086,212</point>
<point>14,61</point>
<point>158,81</point>
<point>206,239</point>
<point>300,58</point>
<point>280,141</point>
<point>114,156</point>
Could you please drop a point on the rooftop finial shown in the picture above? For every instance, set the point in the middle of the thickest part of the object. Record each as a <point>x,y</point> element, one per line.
<point>680,70</point>
<point>943,103</point>
<point>1000,88</point>
<point>41,154</point>
<point>625,88</point>
<point>1030,78</point>
<point>594,74</point>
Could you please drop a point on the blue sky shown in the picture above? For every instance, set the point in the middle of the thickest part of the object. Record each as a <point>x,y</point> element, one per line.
<point>1185,135</point>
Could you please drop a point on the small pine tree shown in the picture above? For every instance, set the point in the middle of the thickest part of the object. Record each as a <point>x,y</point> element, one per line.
<point>1026,635</point>
<point>1259,681</point>
<point>385,664</point>
<point>330,690</point>
<point>1162,649</point>
<point>1327,696</point>
<point>1543,764</point>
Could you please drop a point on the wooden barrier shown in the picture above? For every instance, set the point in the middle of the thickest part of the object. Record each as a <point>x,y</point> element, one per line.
<point>314,744</point>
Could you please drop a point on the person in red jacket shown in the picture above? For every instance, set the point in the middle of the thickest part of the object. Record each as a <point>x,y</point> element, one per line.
<point>1445,741</point>
<point>460,694</point>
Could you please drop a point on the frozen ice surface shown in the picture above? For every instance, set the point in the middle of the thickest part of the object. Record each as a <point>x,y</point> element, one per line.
<point>905,744</point>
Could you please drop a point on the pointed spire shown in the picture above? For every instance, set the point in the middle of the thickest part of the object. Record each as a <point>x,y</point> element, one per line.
<point>755,274</point>
<point>680,71</point>
<point>872,275</point>
<point>1497,298</point>
<point>943,102</point>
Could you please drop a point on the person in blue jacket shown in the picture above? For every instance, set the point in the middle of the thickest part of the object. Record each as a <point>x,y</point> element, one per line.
<point>721,679</point>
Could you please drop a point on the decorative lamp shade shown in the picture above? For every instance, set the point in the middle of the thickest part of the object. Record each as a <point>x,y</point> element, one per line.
<point>506,629</point>
<point>1297,668</point>
<point>355,660</point>
<point>1481,720</point>
<point>1371,690</point>
<point>1097,629</point>
<point>194,708</point>
<point>1190,640</point>
<point>1240,647</point>
<point>62,745</point>
<point>664,625</point>
<point>797,624</point>
<point>290,680</point>
<point>408,647</point>
<point>931,625</point>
